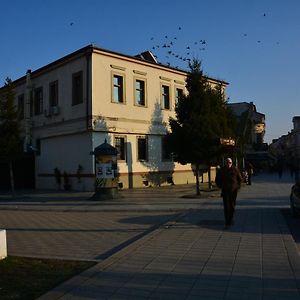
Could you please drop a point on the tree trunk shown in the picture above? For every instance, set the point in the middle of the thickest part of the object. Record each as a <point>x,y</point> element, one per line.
<point>197,180</point>
<point>12,182</point>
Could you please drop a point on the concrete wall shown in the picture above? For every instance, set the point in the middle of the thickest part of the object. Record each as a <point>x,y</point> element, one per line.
<point>55,124</point>
<point>130,120</point>
<point>65,153</point>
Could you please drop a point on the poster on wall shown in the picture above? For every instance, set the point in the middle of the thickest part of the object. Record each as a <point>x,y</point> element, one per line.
<point>104,170</point>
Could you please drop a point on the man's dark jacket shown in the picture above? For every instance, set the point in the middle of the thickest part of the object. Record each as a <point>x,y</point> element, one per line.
<point>229,179</point>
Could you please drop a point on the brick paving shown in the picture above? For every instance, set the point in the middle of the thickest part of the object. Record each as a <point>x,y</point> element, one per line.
<point>192,256</point>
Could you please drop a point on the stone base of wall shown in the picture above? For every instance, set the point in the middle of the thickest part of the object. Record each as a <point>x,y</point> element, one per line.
<point>150,179</point>
<point>3,246</point>
<point>131,180</point>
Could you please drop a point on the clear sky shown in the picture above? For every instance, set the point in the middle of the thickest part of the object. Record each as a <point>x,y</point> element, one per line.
<point>254,45</point>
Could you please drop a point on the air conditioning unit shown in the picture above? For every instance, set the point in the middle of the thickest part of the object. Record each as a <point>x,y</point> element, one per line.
<point>47,113</point>
<point>54,110</point>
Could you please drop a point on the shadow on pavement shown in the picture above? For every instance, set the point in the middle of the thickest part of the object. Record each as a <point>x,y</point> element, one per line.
<point>188,284</point>
<point>146,219</point>
<point>293,223</point>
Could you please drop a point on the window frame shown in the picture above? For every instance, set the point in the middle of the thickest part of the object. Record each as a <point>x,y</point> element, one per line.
<point>123,89</point>
<point>136,79</point>
<point>77,92</point>
<point>176,88</point>
<point>145,138</point>
<point>53,99</point>
<point>162,96</point>
<point>165,158</point>
<point>38,100</point>
<point>125,147</point>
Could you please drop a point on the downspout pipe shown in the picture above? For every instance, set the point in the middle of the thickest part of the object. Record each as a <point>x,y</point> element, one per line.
<point>88,89</point>
<point>27,117</point>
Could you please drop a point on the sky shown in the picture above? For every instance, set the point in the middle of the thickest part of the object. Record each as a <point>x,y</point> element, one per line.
<point>254,45</point>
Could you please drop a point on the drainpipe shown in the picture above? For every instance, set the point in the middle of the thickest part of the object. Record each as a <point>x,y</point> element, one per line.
<point>27,117</point>
<point>88,87</point>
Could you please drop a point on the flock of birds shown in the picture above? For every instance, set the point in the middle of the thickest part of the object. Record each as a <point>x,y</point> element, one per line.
<point>165,49</point>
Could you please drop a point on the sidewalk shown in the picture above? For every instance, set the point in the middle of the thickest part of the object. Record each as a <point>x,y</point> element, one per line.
<point>165,198</point>
<point>194,257</point>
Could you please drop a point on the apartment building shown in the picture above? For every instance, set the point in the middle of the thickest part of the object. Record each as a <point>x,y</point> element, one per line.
<point>70,106</point>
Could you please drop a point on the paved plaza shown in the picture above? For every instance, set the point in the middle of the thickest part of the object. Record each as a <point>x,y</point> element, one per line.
<point>162,243</point>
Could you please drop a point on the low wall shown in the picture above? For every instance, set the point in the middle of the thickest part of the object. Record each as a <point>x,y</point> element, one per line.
<point>136,180</point>
<point>3,246</point>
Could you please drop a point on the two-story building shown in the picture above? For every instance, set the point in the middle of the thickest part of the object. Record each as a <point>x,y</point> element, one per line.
<point>73,104</point>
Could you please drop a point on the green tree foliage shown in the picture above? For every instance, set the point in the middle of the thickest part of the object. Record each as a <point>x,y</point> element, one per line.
<point>10,129</point>
<point>202,118</point>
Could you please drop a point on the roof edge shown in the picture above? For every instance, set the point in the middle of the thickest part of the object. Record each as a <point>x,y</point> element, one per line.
<point>92,48</point>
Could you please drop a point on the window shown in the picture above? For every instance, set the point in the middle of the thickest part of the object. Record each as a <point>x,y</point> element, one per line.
<point>21,106</point>
<point>77,88</point>
<point>120,145</point>
<point>142,148</point>
<point>38,101</point>
<point>118,89</point>
<point>165,96</point>
<point>140,92</point>
<point>53,93</point>
<point>165,151</point>
<point>178,94</point>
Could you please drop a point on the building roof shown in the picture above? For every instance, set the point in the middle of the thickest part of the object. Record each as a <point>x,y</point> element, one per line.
<point>241,107</point>
<point>145,57</point>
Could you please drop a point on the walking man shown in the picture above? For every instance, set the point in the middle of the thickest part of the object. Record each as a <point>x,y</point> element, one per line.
<point>229,179</point>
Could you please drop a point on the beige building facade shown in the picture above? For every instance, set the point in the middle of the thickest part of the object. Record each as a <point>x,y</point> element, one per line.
<point>74,104</point>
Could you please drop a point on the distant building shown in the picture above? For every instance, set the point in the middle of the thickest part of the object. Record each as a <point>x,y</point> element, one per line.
<point>287,147</point>
<point>247,110</point>
<point>73,104</point>
<point>251,125</point>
